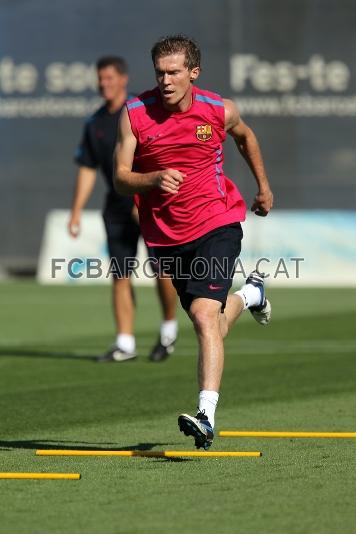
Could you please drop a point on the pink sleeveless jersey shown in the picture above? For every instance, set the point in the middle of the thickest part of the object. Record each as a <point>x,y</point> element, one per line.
<point>190,142</point>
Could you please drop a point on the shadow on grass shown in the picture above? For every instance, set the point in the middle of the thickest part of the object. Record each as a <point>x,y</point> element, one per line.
<point>43,353</point>
<point>61,355</point>
<point>78,445</point>
<point>84,446</point>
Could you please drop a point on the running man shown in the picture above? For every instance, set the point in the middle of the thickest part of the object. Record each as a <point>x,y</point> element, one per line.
<point>171,155</point>
<point>120,216</point>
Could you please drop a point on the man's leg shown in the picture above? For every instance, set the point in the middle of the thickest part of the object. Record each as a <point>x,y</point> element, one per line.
<point>205,315</point>
<point>124,314</point>
<point>207,318</point>
<point>124,311</point>
<point>251,296</point>
<point>122,243</point>
<point>123,305</point>
<point>168,297</point>
<point>233,309</point>
<point>169,326</point>
<point>211,327</point>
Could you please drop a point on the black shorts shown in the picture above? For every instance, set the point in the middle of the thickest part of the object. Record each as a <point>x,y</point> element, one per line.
<point>122,239</point>
<point>153,261</point>
<point>204,267</point>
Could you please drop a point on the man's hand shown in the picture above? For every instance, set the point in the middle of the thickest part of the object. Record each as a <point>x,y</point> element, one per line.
<point>134,215</point>
<point>263,203</point>
<point>170,180</point>
<point>74,224</point>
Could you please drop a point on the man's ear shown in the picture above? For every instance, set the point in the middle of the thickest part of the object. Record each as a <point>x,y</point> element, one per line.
<point>194,73</point>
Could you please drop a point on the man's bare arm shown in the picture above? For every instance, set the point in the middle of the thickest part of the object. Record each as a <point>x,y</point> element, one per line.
<point>128,182</point>
<point>86,178</point>
<point>248,146</point>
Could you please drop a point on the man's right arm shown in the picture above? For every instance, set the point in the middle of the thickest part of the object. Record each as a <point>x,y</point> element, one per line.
<point>128,182</point>
<point>86,178</point>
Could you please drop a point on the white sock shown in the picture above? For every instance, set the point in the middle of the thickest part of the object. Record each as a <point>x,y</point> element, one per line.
<point>168,331</point>
<point>126,342</point>
<point>207,404</point>
<point>250,295</point>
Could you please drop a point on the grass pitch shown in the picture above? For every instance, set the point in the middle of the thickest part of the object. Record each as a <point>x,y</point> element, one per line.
<point>297,374</point>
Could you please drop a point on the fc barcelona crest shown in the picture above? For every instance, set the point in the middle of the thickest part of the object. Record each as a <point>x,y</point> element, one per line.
<point>204,132</point>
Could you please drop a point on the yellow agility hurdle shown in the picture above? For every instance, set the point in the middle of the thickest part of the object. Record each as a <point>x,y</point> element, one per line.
<point>41,476</point>
<point>154,454</point>
<point>253,434</point>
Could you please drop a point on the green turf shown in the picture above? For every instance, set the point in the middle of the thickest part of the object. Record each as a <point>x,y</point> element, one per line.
<point>297,374</point>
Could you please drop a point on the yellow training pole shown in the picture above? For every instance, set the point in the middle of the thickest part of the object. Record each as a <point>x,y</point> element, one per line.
<point>38,476</point>
<point>216,454</point>
<point>154,454</point>
<point>243,434</point>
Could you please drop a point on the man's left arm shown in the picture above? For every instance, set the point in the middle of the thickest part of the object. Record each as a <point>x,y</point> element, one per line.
<point>248,146</point>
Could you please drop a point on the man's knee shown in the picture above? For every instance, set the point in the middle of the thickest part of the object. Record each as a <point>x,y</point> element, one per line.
<point>204,314</point>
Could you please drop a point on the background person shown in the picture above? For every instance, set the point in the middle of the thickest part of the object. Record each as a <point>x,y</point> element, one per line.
<point>96,152</point>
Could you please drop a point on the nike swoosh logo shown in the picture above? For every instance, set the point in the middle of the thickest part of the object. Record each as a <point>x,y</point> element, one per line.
<point>215,288</point>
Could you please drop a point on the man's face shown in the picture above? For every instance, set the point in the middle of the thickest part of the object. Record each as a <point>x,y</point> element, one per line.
<point>174,79</point>
<point>111,83</point>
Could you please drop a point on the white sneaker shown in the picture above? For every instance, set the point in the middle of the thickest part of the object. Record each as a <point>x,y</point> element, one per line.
<point>199,427</point>
<point>261,313</point>
<point>116,355</point>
